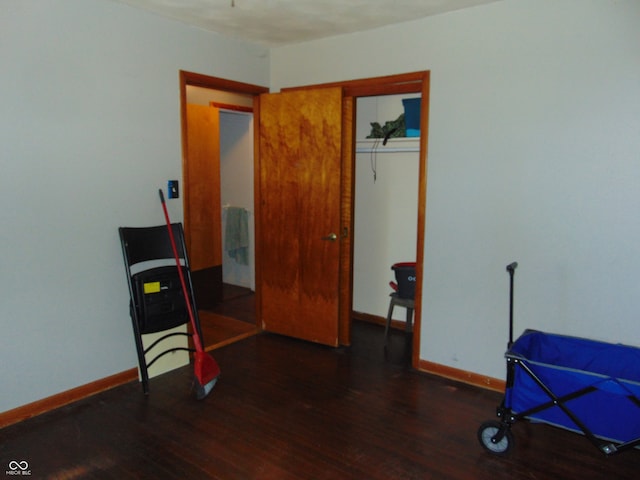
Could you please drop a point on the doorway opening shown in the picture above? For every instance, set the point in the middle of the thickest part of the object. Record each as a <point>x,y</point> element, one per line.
<point>218,183</point>
<point>387,166</point>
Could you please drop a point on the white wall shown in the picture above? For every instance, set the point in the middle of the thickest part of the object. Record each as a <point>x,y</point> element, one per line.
<point>534,156</point>
<point>385,228</point>
<point>386,206</point>
<point>236,172</point>
<point>89,130</point>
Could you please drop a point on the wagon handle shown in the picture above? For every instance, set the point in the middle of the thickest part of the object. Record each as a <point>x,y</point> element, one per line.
<point>511,268</point>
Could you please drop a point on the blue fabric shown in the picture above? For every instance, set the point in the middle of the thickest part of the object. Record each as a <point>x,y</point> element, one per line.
<point>412,113</point>
<point>614,360</point>
<point>567,364</point>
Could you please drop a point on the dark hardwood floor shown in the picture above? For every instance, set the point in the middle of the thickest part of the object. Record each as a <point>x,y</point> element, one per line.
<point>286,409</point>
<point>231,320</point>
<point>238,303</point>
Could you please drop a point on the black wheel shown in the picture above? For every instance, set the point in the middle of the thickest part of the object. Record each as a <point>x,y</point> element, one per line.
<point>487,432</point>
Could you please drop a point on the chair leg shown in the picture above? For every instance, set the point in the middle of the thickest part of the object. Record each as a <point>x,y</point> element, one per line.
<point>388,324</point>
<point>145,378</point>
<point>142,364</point>
<point>409,324</point>
<point>142,361</point>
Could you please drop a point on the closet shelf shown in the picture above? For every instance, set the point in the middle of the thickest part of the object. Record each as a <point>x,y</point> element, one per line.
<point>394,145</point>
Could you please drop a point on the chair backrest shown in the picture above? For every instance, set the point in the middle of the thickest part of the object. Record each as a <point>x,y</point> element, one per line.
<point>140,244</point>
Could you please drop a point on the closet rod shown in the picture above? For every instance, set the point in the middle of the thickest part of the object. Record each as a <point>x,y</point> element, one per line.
<point>387,149</point>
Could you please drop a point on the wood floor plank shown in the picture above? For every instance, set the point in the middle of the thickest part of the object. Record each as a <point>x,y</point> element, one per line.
<point>220,330</point>
<point>285,409</point>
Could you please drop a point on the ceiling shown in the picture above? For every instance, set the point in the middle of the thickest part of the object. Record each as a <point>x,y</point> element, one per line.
<point>281,22</point>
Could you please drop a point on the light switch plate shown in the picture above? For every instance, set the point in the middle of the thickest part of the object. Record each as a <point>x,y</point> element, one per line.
<point>172,189</point>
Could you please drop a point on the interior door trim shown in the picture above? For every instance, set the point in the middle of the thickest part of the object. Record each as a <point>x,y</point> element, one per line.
<point>214,83</point>
<point>187,78</point>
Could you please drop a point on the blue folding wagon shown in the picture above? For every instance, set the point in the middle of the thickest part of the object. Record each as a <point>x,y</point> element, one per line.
<point>577,384</point>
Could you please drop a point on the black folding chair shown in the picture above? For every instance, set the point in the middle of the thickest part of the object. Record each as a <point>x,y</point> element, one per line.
<point>157,301</point>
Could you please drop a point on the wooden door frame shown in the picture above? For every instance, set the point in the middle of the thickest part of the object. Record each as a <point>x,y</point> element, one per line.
<point>406,83</point>
<point>220,84</point>
<point>213,83</point>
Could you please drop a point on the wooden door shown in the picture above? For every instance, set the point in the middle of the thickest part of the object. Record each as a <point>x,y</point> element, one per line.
<point>299,189</point>
<point>203,203</point>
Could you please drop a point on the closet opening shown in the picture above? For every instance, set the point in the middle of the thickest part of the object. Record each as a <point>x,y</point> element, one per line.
<point>386,191</point>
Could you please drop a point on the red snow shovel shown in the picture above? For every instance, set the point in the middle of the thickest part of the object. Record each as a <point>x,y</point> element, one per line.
<point>206,369</point>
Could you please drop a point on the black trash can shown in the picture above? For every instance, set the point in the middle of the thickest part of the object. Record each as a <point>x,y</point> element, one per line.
<point>405,278</point>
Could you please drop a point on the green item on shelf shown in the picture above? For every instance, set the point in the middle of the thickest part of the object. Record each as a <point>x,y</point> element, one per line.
<point>378,131</point>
